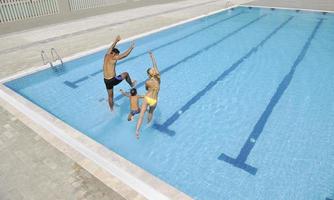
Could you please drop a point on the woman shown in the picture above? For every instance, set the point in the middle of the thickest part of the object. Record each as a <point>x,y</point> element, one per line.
<point>151,97</point>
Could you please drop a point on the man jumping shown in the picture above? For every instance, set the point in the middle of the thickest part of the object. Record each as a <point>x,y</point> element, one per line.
<point>109,72</point>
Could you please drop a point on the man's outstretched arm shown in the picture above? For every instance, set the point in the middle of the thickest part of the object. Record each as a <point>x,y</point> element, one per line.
<point>118,38</point>
<point>126,53</point>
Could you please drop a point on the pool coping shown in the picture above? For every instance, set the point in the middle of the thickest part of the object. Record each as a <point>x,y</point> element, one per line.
<point>285,8</point>
<point>126,178</point>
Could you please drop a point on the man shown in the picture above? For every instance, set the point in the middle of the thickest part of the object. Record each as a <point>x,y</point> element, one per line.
<point>109,72</point>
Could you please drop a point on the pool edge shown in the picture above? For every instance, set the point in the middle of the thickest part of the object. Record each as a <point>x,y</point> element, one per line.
<point>109,167</point>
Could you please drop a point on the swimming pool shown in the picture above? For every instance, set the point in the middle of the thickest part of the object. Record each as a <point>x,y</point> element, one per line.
<point>245,109</point>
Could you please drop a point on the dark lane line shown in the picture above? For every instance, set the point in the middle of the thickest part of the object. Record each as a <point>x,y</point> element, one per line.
<point>164,127</point>
<point>241,159</point>
<point>200,51</point>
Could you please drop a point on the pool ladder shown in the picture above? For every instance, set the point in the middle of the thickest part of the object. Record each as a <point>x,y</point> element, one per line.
<point>55,57</point>
<point>45,59</point>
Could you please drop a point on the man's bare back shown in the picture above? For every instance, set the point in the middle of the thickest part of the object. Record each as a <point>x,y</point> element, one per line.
<point>109,67</point>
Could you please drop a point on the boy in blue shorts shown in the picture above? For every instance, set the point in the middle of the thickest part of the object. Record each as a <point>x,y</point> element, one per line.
<point>134,102</point>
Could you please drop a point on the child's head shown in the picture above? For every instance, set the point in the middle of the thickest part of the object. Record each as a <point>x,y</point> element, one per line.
<point>133,92</point>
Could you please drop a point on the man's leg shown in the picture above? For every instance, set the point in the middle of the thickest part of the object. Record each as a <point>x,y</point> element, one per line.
<point>130,117</point>
<point>111,99</point>
<point>126,76</point>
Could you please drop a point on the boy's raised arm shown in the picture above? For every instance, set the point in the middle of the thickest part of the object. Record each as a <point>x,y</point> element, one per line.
<point>124,93</point>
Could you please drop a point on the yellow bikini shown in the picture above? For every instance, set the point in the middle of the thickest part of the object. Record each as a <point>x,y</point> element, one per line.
<point>150,101</point>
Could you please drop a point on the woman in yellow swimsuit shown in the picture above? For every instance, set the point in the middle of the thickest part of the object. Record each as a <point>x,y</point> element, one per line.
<point>151,97</point>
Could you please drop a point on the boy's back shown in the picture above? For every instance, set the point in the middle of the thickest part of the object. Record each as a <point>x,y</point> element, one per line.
<point>134,102</point>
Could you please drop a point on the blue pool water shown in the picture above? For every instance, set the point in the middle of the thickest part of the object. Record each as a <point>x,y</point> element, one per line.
<point>246,108</point>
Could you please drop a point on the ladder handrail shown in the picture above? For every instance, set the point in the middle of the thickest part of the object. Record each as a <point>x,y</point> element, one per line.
<point>45,58</point>
<point>54,53</point>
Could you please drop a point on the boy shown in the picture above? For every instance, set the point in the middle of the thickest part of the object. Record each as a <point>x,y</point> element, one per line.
<point>134,105</point>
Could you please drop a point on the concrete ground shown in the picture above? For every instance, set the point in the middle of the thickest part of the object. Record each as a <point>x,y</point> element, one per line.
<point>30,168</point>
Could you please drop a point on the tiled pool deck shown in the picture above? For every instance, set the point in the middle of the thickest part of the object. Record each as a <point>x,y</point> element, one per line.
<point>30,167</point>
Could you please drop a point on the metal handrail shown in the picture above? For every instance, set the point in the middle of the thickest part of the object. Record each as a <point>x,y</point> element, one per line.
<point>45,58</point>
<point>55,56</point>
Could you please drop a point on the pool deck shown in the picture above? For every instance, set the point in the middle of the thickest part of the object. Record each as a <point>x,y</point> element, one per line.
<point>30,167</point>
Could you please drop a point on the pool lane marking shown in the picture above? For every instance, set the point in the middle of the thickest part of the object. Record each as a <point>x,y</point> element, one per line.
<point>73,84</point>
<point>241,159</point>
<point>164,127</point>
<point>199,51</point>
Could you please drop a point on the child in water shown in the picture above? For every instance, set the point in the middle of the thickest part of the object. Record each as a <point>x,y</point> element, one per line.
<point>134,105</point>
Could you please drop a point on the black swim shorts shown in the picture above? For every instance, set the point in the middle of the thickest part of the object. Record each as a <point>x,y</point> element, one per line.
<point>110,83</point>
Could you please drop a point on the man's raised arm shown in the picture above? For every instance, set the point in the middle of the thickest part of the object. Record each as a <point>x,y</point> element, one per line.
<point>127,52</point>
<point>118,38</point>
